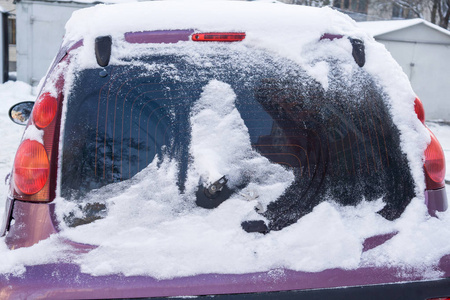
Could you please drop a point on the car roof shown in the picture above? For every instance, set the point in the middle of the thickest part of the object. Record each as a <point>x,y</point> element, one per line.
<point>263,22</point>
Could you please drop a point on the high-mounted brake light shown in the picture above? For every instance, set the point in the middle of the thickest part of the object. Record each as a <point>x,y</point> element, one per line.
<point>434,165</point>
<point>31,167</point>
<point>218,37</point>
<point>420,111</point>
<point>44,110</point>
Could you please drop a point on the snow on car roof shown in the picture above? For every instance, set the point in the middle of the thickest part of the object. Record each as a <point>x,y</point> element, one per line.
<point>280,28</point>
<point>263,20</point>
<point>376,28</point>
<point>84,1</point>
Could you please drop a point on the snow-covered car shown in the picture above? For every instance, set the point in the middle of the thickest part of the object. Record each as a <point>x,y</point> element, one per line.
<point>233,149</point>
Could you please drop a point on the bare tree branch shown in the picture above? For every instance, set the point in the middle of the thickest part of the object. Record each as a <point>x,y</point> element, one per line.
<point>414,7</point>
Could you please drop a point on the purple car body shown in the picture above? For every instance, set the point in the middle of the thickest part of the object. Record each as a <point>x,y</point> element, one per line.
<point>35,221</point>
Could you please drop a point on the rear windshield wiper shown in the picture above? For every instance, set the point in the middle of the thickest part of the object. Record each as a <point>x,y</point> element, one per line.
<point>214,194</point>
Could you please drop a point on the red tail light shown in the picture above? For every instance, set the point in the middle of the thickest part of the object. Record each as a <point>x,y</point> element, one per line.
<point>44,110</point>
<point>218,37</point>
<point>434,164</point>
<point>31,167</point>
<point>420,112</point>
<point>35,165</point>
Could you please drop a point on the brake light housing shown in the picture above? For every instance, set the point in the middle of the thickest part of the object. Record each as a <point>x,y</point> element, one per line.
<point>44,110</point>
<point>433,167</point>
<point>218,37</point>
<point>31,167</point>
<point>35,164</point>
<point>420,111</point>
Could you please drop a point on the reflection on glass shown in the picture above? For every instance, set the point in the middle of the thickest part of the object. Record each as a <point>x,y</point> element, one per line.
<point>20,113</point>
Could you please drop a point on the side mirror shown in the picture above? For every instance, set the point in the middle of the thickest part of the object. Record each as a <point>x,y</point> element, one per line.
<point>21,112</point>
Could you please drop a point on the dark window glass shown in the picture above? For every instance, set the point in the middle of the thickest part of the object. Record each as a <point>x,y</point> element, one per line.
<point>340,143</point>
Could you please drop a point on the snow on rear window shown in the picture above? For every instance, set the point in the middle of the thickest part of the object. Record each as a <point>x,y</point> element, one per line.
<point>149,215</point>
<point>149,218</point>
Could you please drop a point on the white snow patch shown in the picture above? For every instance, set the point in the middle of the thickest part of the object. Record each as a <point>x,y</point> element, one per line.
<point>34,134</point>
<point>420,242</point>
<point>51,250</point>
<point>221,146</point>
<point>320,72</point>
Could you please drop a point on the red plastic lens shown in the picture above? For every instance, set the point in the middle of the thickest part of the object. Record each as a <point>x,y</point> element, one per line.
<point>434,164</point>
<point>44,110</point>
<point>31,167</point>
<point>218,37</point>
<point>418,108</point>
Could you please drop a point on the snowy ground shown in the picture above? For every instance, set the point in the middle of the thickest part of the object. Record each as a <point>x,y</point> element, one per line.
<point>13,92</point>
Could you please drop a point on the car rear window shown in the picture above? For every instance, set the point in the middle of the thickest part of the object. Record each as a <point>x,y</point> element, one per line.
<point>338,142</point>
